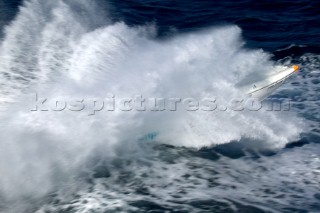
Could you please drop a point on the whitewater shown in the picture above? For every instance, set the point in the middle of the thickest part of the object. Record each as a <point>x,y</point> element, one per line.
<point>73,49</point>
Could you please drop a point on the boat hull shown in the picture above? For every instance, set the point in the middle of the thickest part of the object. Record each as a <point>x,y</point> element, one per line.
<point>263,89</point>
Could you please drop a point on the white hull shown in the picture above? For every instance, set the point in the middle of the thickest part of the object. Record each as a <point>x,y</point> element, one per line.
<point>262,89</point>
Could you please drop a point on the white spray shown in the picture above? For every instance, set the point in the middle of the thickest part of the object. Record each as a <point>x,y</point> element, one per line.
<point>52,50</point>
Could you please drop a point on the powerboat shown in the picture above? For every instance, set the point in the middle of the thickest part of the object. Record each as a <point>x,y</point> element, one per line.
<point>264,88</point>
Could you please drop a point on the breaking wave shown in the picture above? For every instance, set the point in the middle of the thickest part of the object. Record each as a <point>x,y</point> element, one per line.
<point>72,49</point>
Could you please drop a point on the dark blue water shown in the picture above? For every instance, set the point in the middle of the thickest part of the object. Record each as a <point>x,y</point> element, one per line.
<point>234,177</point>
<point>265,24</point>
